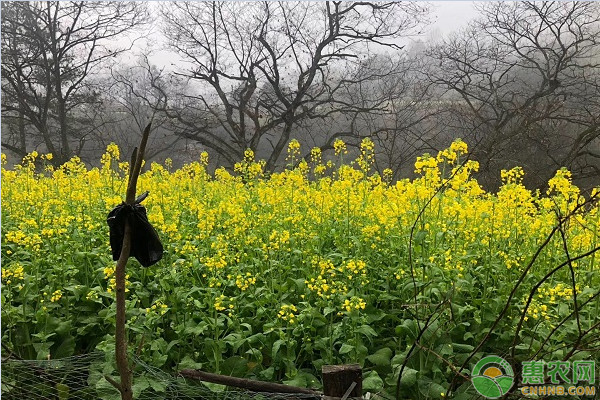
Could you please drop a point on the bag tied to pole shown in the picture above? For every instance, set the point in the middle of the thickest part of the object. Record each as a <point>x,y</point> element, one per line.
<point>145,243</point>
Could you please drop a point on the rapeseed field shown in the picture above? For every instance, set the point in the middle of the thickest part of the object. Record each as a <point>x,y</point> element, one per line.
<point>271,276</point>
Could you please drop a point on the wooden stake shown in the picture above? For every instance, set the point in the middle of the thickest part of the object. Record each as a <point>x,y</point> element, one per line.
<point>342,381</point>
<point>120,272</point>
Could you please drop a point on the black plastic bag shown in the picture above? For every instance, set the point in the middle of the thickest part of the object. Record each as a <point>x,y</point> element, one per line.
<point>145,243</point>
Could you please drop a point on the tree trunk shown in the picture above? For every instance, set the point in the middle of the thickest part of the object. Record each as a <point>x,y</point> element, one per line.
<point>120,333</point>
<point>22,141</point>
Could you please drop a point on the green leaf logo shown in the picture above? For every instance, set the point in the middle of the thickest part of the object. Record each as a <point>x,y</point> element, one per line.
<point>492,377</point>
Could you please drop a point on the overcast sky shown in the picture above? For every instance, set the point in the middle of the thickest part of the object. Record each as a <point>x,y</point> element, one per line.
<point>452,15</point>
<point>446,17</point>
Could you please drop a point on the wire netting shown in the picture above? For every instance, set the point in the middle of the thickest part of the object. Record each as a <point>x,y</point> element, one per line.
<point>84,377</point>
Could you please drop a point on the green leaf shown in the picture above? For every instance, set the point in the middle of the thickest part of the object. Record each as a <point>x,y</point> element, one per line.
<point>346,348</point>
<point>234,366</point>
<point>299,381</point>
<point>140,384</point>
<point>299,282</point>
<point>431,389</point>
<point>462,348</point>
<point>381,357</point>
<point>408,328</point>
<point>106,391</point>
<point>267,374</point>
<point>188,363</point>
<point>215,387</point>
<point>62,391</point>
<point>328,310</point>
<point>66,348</point>
<point>195,329</point>
<point>372,381</point>
<point>445,349</point>
<point>303,379</point>
<point>254,354</point>
<point>409,377</point>
<point>367,331</point>
<point>42,350</point>
<point>276,346</point>
<point>171,344</point>
<point>385,296</point>
<point>159,386</point>
<point>419,237</point>
<point>63,328</point>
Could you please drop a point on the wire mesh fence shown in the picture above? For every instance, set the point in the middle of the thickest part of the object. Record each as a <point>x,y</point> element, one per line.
<point>84,377</point>
<point>67,378</point>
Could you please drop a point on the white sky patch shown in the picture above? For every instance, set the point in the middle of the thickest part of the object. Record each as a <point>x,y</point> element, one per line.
<point>450,16</point>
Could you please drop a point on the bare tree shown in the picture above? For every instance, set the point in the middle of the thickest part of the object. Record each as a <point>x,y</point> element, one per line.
<point>262,70</point>
<point>400,125</point>
<point>523,83</point>
<point>50,50</point>
<point>130,100</point>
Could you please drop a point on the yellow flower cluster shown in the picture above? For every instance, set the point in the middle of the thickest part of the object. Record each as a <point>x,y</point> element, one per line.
<point>294,147</point>
<point>92,295</point>
<point>535,310</point>
<point>558,292</point>
<point>566,194</point>
<point>214,282</point>
<point>367,155</point>
<point>354,303</point>
<point>29,159</point>
<point>513,176</point>
<point>319,169</point>
<point>328,281</point>
<point>315,155</point>
<point>339,147</point>
<point>425,162</point>
<point>204,158</point>
<point>29,241</point>
<point>355,268</point>
<point>561,183</point>
<point>223,303</point>
<point>109,273</point>
<point>287,312</point>
<point>459,147</point>
<point>400,274</point>
<point>215,262</point>
<point>278,239</point>
<point>13,273</point>
<point>550,296</point>
<point>112,153</point>
<point>244,282</point>
<point>158,307</point>
<point>388,175</point>
<point>56,296</point>
<point>321,287</point>
<point>247,168</point>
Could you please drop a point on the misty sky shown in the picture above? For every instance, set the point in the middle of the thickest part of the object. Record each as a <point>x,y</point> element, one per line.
<point>446,17</point>
<point>452,15</point>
